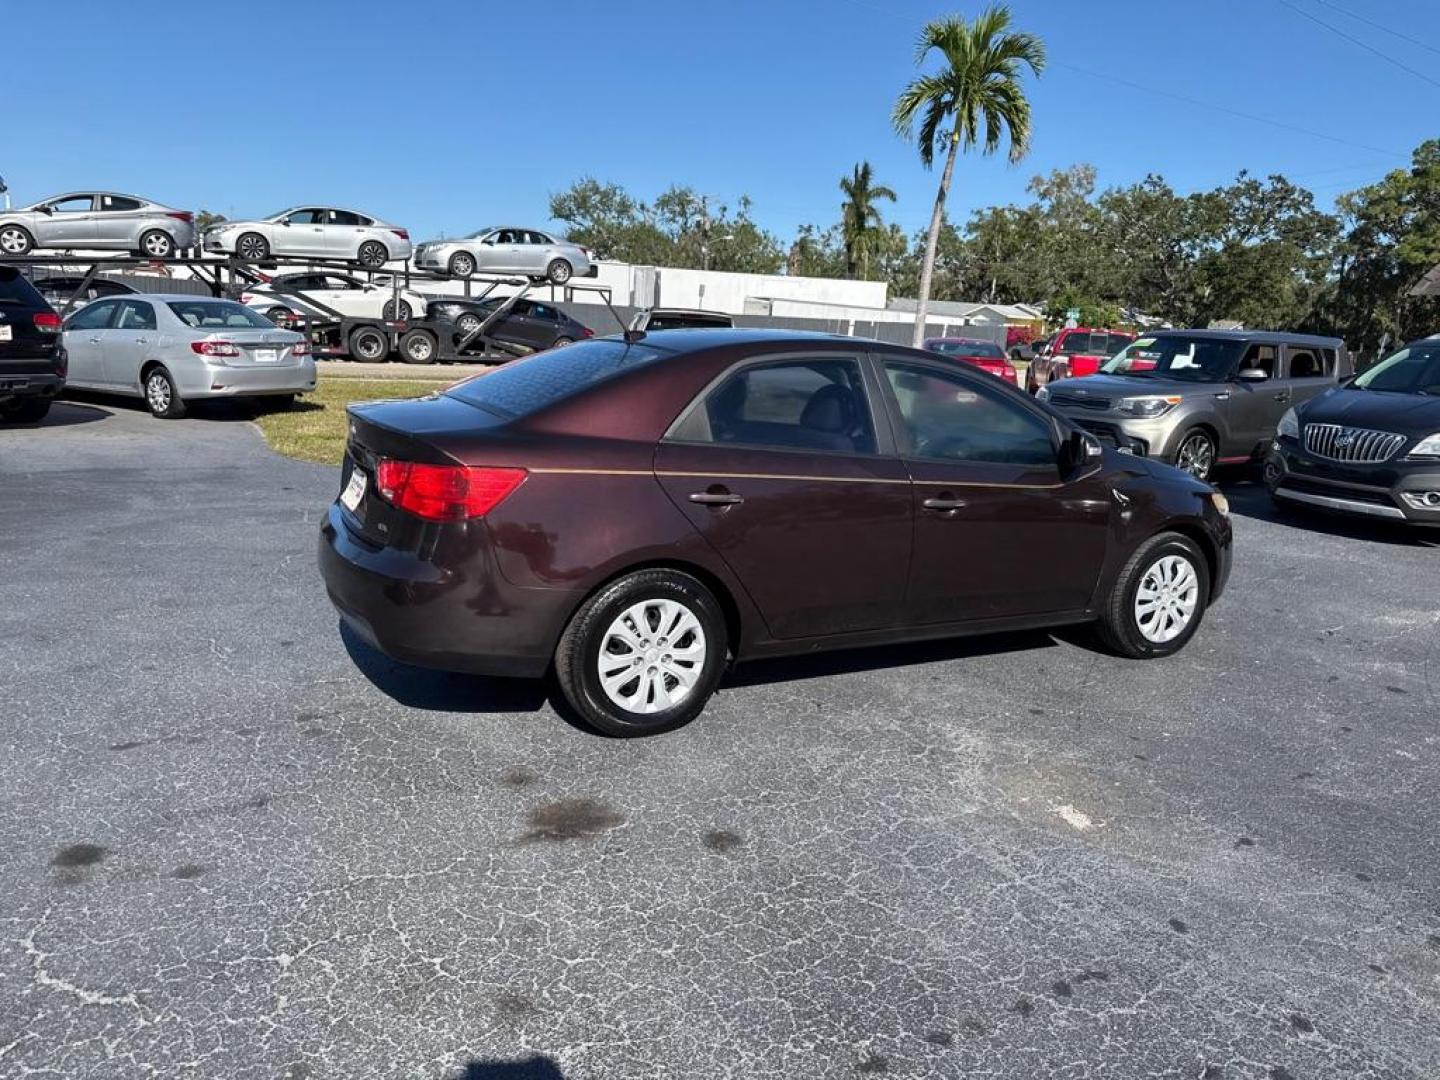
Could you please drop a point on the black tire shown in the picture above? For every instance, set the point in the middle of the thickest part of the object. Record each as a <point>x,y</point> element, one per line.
<point>26,410</point>
<point>16,240</point>
<point>559,272</point>
<point>561,342</point>
<point>462,264</point>
<point>1195,453</point>
<point>418,347</point>
<point>369,345</point>
<point>577,657</point>
<point>156,244</point>
<point>253,247</point>
<point>373,254</point>
<point>162,396</point>
<point>280,316</point>
<point>396,312</point>
<point>1119,626</point>
<point>467,323</point>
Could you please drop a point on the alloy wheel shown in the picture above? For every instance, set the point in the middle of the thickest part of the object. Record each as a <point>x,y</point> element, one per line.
<point>157,392</point>
<point>462,265</point>
<point>252,247</point>
<point>1166,599</point>
<point>1196,455</point>
<point>651,656</point>
<point>468,324</point>
<point>13,241</point>
<point>157,244</point>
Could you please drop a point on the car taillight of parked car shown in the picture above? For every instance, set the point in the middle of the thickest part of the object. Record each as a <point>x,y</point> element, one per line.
<point>214,348</point>
<point>445,492</point>
<point>181,215</point>
<point>588,332</point>
<point>47,322</point>
<point>300,348</point>
<point>404,234</point>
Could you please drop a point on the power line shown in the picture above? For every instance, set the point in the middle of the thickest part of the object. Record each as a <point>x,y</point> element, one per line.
<point>1357,41</point>
<point>1379,26</point>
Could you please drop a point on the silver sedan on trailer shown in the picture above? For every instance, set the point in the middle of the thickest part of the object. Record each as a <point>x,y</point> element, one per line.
<point>173,349</point>
<point>505,249</point>
<point>314,232</point>
<point>97,220</point>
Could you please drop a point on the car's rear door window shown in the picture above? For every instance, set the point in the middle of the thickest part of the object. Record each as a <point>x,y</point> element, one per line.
<point>949,418</point>
<point>1260,358</point>
<point>1308,362</point>
<point>118,203</point>
<point>135,315</point>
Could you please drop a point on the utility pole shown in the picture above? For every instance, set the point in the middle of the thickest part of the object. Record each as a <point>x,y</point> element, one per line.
<point>704,232</point>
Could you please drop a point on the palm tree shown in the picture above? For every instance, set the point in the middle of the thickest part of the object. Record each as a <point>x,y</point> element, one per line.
<point>860,217</point>
<point>978,92</point>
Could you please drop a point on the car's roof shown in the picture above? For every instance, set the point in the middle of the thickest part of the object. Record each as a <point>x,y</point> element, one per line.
<point>1264,337</point>
<point>695,338</point>
<point>94,191</point>
<point>687,311</point>
<point>964,341</point>
<point>173,297</point>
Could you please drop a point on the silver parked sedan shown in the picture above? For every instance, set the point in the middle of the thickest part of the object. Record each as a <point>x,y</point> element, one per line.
<point>103,220</point>
<point>504,249</point>
<point>171,349</point>
<point>315,232</point>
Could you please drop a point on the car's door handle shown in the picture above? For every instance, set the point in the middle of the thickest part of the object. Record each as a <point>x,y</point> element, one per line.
<point>94,341</point>
<point>142,341</point>
<point>1284,395</point>
<point>716,497</point>
<point>943,504</point>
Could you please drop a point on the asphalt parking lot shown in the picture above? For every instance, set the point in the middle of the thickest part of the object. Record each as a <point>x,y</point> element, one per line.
<point>237,844</point>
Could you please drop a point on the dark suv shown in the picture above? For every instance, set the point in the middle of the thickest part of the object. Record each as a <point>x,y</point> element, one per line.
<point>32,358</point>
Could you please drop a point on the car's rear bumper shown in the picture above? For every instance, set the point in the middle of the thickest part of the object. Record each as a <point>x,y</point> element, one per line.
<point>1393,491</point>
<point>19,385</point>
<point>212,381</point>
<point>454,617</point>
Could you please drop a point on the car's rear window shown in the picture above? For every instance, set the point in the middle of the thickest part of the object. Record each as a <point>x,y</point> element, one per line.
<point>16,291</point>
<point>968,348</point>
<point>526,386</point>
<point>219,315</point>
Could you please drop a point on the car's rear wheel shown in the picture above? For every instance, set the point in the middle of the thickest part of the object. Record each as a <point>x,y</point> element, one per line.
<point>26,410</point>
<point>252,246</point>
<point>369,344</point>
<point>280,316</point>
<point>561,342</point>
<point>15,240</point>
<point>462,264</point>
<point>394,311</point>
<point>559,271</point>
<point>418,347</point>
<point>162,396</point>
<point>1196,453</point>
<point>373,254</point>
<point>644,654</point>
<point>1158,600</point>
<point>157,244</point>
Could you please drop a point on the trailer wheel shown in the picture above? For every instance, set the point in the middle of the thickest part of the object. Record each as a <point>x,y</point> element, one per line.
<point>368,344</point>
<point>418,347</point>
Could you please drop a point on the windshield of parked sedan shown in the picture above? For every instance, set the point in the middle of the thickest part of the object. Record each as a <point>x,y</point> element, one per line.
<point>1415,369</point>
<point>483,232</point>
<point>219,315</point>
<point>526,386</point>
<point>968,348</point>
<point>1191,359</point>
<point>279,213</point>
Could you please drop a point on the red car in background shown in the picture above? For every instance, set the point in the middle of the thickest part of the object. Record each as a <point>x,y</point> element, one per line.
<point>985,355</point>
<point>1072,353</point>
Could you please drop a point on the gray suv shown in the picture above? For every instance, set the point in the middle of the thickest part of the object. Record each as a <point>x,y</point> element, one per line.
<point>1200,398</point>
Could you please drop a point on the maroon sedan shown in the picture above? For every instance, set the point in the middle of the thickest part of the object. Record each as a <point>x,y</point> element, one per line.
<point>985,355</point>
<point>634,514</point>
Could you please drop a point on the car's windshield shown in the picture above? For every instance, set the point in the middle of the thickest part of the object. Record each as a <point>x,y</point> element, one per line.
<point>219,314</point>
<point>968,348</point>
<point>483,232</point>
<point>1415,369</point>
<point>1192,359</point>
<point>526,386</point>
<point>278,214</point>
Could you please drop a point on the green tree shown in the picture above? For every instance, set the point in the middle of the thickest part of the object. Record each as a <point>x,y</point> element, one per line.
<point>978,88</point>
<point>860,221</point>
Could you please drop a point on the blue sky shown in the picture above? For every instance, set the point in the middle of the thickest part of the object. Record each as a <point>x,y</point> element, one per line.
<point>445,115</point>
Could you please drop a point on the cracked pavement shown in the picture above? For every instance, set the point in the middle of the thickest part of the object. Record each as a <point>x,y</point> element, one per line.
<point>237,844</point>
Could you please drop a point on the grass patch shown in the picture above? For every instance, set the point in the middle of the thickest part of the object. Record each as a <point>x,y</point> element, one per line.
<point>314,430</point>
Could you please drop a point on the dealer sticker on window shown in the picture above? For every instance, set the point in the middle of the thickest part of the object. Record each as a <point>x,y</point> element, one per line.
<point>354,490</point>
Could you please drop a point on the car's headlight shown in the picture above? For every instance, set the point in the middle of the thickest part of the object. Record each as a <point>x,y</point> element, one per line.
<point>1289,425</point>
<point>1043,394</point>
<point>1220,503</point>
<point>1428,447</point>
<point>1147,408</point>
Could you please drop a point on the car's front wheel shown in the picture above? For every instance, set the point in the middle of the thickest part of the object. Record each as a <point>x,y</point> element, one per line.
<point>644,654</point>
<point>396,312</point>
<point>162,396</point>
<point>252,246</point>
<point>15,240</point>
<point>1158,601</point>
<point>1196,454</point>
<point>462,264</point>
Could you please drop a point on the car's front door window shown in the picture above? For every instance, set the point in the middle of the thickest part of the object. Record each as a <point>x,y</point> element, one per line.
<point>93,317</point>
<point>952,419</point>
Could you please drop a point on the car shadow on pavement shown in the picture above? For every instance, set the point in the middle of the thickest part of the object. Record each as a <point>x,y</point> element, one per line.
<point>65,414</point>
<point>1252,499</point>
<point>441,691</point>
<point>538,1067</point>
<point>853,661</point>
<point>224,410</point>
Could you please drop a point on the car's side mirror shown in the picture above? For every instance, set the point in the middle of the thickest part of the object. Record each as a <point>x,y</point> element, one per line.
<point>285,222</point>
<point>1080,451</point>
<point>489,241</point>
<point>47,209</point>
<point>1252,375</point>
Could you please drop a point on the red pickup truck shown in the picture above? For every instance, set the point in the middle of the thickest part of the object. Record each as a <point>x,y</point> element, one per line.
<point>1074,352</point>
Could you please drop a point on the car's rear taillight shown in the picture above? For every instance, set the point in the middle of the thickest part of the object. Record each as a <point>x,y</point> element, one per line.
<point>181,215</point>
<point>214,348</point>
<point>246,297</point>
<point>47,322</point>
<point>404,234</point>
<point>445,492</point>
<point>300,348</point>
<point>588,332</point>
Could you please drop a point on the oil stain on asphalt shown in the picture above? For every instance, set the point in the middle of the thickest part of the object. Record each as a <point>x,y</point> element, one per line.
<point>570,819</point>
<point>722,841</point>
<point>73,863</point>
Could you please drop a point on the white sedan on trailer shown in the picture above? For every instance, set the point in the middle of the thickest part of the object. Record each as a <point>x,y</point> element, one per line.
<point>171,350</point>
<point>284,296</point>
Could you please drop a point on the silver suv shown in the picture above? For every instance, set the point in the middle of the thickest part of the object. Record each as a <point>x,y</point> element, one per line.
<point>1200,398</point>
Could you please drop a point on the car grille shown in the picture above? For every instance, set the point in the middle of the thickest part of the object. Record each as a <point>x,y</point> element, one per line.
<point>1355,445</point>
<point>1078,401</point>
